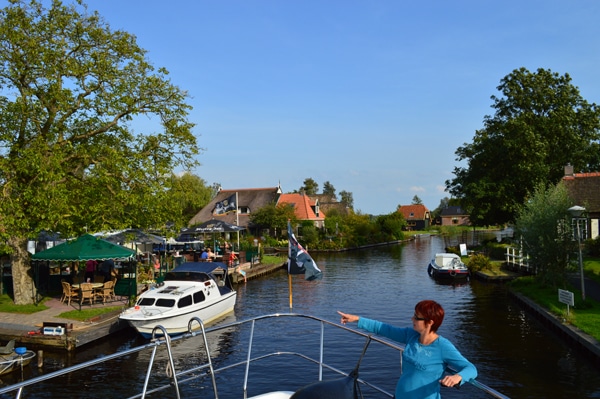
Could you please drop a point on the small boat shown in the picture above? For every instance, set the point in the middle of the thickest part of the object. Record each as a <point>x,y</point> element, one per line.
<point>15,360</point>
<point>192,289</point>
<point>448,266</point>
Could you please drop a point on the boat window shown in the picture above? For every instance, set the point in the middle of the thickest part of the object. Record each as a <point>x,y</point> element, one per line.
<point>146,302</point>
<point>185,301</point>
<point>165,303</point>
<point>199,297</point>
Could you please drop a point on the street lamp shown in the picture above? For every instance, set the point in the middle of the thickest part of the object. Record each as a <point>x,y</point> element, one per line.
<point>576,212</point>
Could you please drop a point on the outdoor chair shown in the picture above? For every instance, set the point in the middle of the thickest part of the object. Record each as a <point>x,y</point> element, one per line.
<point>68,293</point>
<point>112,288</point>
<point>86,292</point>
<point>104,293</point>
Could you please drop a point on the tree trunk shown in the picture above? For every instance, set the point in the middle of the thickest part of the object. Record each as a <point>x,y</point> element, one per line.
<point>22,273</point>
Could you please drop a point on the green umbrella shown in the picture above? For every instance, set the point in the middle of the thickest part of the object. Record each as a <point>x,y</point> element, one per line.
<point>85,247</point>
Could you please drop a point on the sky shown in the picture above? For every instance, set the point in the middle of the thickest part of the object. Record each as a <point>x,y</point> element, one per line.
<point>372,96</point>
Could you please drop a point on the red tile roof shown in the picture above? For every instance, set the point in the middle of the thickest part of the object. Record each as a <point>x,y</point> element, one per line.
<point>303,206</point>
<point>414,212</point>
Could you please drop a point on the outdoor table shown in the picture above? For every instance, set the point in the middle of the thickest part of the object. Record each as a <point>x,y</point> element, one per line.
<point>94,285</point>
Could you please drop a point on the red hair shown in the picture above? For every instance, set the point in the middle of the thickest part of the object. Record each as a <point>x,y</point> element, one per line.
<point>431,310</point>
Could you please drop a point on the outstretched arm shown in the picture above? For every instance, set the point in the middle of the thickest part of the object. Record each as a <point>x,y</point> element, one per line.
<point>348,318</point>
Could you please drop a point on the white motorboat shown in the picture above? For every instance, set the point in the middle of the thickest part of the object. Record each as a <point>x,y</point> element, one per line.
<point>192,289</point>
<point>448,266</point>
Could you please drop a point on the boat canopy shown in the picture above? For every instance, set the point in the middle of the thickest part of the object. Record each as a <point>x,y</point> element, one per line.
<point>200,267</point>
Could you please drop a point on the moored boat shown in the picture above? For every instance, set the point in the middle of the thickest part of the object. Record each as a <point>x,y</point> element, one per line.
<point>192,289</point>
<point>15,360</point>
<point>448,266</point>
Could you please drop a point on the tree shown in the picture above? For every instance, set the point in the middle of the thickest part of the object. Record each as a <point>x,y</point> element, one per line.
<point>328,189</point>
<point>70,160</point>
<point>416,200</point>
<point>273,217</point>
<point>310,187</point>
<point>541,125</point>
<point>187,195</point>
<point>347,199</point>
<point>542,226</point>
<point>391,226</point>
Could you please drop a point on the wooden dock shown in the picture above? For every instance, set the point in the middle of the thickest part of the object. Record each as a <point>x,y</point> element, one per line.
<point>248,271</point>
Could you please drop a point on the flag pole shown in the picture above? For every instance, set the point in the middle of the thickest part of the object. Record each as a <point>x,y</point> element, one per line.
<point>237,219</point>
<point>290,288</point>
<point>289,264</point>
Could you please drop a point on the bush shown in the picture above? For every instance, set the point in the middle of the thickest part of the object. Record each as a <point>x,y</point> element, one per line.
<point>479,262</point>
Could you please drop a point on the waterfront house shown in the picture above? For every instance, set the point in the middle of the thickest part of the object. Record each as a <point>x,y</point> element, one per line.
<point>236,205</point>
<point>454,216</point>
<point>305,208</point>
<point>584,189</point>
<point>417,216</point>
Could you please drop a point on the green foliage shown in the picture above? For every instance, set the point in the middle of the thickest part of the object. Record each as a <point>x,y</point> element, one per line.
<point>390,226</point>
<point>585,316</point>
<point>347,199</point>
<point>495,250</point>
<point>274,217</point>
<point>593,247</point>
<point>416,200</point>
<point>7,305</point>
<point>545,229</point>
<point>87,314</point>
<point>479,262</point>
<point>541,124</point>
<point>328,189</point>
<point>310,187</point>
<point>186,195</point>
<point>71,87</point>
<point>309,234</point>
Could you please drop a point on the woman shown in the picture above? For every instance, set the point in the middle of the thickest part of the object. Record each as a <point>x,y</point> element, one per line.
<point>426,354</point>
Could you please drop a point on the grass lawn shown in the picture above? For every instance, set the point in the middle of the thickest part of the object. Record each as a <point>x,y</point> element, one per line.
<point>7,306</point>
<point>584,315</point>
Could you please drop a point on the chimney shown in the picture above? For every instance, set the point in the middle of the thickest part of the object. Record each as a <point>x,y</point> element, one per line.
<point>569,170</point>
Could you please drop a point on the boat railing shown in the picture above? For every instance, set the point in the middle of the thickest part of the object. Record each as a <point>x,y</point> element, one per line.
<point>207,368</point>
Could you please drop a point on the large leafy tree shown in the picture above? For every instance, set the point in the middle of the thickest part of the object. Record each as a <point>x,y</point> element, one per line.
<point>70,88</point>
<point>540,125</point>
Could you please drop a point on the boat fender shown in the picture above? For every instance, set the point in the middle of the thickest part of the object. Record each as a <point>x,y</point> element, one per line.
<point>452,273</point>
<point>343,388</point>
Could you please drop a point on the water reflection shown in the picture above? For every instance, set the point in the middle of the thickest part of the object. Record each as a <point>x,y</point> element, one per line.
<point>513,352</point>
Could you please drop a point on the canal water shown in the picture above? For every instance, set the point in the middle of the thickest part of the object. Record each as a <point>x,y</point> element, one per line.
<point>514,353</point>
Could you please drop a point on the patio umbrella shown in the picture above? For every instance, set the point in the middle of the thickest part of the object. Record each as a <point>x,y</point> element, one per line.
<point>136,237</point>
<point>213,226</point>
<point>85,247</point>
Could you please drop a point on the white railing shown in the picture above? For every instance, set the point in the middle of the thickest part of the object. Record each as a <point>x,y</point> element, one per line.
<point>209,371</point>
<point>517,258</point>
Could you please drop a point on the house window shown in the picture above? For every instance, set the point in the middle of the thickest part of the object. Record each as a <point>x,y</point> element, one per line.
<point>454,220</point>
<point>244,210</point>
<point>411,215</point>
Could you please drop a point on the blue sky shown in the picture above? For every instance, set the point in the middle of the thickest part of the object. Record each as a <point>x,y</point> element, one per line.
<point>372,96</point>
